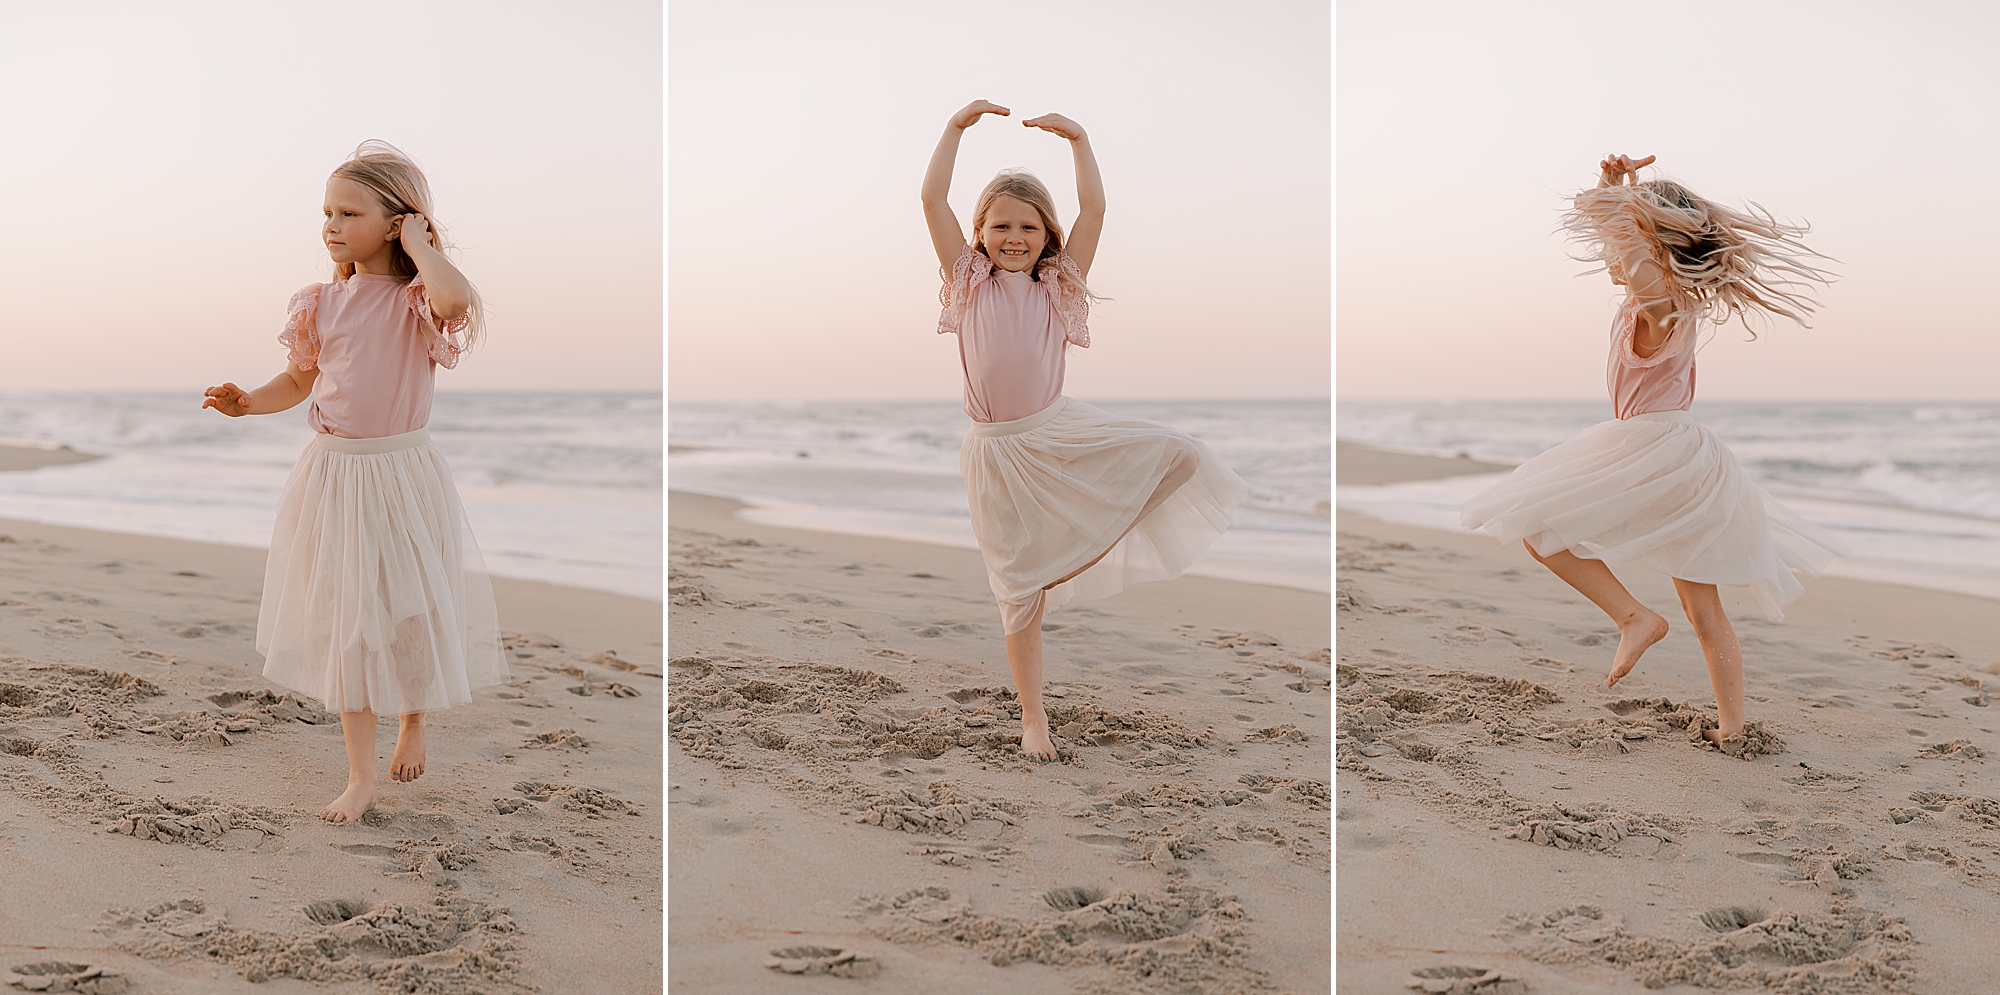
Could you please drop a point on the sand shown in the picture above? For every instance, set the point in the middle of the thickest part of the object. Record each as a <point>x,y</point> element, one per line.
<point>1499,809</point>
<point>847,802</point>
<point>1356,464</point>
<point>30,456</point>
<point>157,795</point>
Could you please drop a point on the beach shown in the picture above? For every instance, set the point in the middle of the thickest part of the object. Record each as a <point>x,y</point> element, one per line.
<point>1501,812</point>
<point>157,818</point>
<point>848,805</point>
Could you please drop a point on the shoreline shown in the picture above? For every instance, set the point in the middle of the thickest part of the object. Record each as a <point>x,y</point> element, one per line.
<point>1228,560</point>
<point>1431,507</point>
<point>15,457</point>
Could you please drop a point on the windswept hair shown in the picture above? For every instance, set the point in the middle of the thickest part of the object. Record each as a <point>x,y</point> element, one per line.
<point>1025,187</point>
<point>402,189</point>
<point>1728,264</point>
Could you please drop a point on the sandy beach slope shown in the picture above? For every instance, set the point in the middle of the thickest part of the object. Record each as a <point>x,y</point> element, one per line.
<point>1498,808</point>
<point>844,778</point>
<point>157,795</point>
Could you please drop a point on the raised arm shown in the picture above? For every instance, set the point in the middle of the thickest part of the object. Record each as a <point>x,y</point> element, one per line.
<point>1640,274</point>
<point>450,292</point>
<point>1083,235</point>
<point>946,236</point>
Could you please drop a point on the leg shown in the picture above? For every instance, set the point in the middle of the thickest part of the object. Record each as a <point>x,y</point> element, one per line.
<point>1179,472</point>
<point>359,730</point>
<point>1703,604</point>
<point>1639,627</point>
<point>1024,656</point>
<point>407,763</point>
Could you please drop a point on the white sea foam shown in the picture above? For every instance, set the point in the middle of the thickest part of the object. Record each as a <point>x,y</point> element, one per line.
<point>559,487</point>
<point>891,470</point>
<point>1914,488</point>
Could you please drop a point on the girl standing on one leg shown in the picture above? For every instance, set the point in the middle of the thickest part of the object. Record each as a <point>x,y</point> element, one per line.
<point>376,601</point>
<point>1653,487</point>
<point>1068,502</point>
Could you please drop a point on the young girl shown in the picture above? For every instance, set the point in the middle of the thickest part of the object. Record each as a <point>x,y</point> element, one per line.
<point>1068,502</point>
<point>1653,487</point>
<point>375,601</point>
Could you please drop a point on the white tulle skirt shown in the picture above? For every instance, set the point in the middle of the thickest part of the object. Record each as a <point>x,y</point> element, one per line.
<point>375,596</point>
<point>1661,491</point>
<point>1053,491</point>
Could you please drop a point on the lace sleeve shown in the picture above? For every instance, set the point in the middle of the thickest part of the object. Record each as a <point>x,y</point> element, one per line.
<point>301,335</point>
<point>447,343</point>
<point>1626,330</point>
<point>1069,296</point>
<point>971,270</point>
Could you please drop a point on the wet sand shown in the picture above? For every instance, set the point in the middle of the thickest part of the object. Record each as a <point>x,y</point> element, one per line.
<point>845,786</point>
<point>1498,808</point>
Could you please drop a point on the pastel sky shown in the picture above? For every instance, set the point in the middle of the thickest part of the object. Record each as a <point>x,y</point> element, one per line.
<point>799,266</point>
<point>165,163</point>
<point>1463,127</point>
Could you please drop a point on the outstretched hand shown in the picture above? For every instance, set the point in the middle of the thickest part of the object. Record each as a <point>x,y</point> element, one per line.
<point>1617,168</point>
<point>969,115</point>
<point>1056,124</point>
<point>229,399</point>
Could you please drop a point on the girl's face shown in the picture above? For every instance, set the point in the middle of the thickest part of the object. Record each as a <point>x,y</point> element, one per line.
<point>357,229</point>
<point>1013,236</point>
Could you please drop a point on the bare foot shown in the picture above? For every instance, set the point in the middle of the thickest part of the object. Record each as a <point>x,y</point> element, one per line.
<point>351,803</point>
<point>1635,637</point>
<point>1718,735</point>
<point>407,763</point>
<point>1035,738</point>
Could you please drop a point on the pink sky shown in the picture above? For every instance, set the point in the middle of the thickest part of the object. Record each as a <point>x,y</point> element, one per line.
<point>798,262</point>
<point>1462,128</point>
<point>165,165</point>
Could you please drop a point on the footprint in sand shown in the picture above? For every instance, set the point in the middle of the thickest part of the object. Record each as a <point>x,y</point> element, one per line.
<point>329,912</point>
<point>1103,839</point>
<point>836,961</point>
<point>1454,979</point>
<point>1731,918</point>
<point>1065,899</point>
<point>62,976</point>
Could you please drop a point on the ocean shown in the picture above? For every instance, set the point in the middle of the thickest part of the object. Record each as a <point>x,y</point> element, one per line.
<point>891,470</point>
<point>559,487</point>
<point>1914,488</point>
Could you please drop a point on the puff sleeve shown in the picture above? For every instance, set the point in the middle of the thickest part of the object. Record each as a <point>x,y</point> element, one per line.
<point>446,344</point>
<point>971,270</point>
<point>1627,329</point>
<point>1068,296</point>
<point>301,335</point>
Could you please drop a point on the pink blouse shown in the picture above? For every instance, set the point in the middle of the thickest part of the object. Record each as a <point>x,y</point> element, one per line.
<point>376,346</point>
<point>1663,381</point>
<point>1012,329</point>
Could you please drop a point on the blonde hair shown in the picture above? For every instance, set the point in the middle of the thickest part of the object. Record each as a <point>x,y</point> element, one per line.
<point>400,186</point>
<point>1026,188</point>
<point>1728,264</point>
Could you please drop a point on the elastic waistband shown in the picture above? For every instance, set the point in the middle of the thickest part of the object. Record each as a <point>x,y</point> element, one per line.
<point>1019,425</point>
<point>1677,417</point>
<point>374,447</point>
